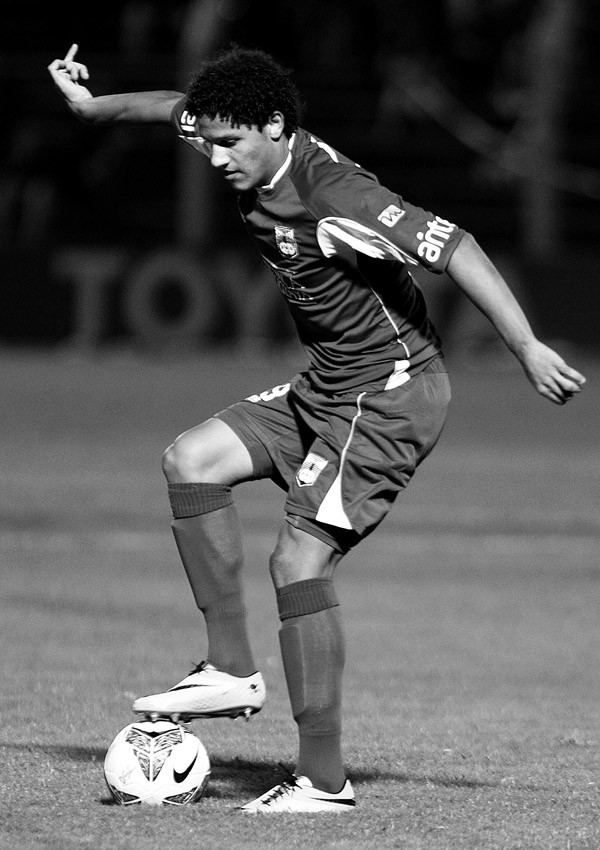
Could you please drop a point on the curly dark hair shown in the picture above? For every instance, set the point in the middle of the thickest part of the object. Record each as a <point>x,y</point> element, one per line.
<point>246,86</point>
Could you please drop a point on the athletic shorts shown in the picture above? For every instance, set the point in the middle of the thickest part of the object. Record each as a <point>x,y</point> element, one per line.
<point>342,457</point>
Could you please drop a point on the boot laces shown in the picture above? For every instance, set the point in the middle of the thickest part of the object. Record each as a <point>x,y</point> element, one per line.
<point>284,788</point>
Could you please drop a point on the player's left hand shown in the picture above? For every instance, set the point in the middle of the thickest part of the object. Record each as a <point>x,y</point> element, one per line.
<point>550,375</point>
<point>67,74</point>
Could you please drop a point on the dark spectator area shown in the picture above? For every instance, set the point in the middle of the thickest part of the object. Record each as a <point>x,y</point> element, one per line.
<point>487,112</point>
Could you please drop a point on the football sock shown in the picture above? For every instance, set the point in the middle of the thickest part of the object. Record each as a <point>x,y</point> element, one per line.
<point>313,654</point>
<point>208,536</point>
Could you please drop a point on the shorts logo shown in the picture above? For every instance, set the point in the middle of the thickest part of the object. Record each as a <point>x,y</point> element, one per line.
<point>286,241</point>
<point>310,470</point>
<point>391,215</point>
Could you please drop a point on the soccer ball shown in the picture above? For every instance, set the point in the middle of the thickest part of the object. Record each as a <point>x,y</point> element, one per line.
<point>154,763</point>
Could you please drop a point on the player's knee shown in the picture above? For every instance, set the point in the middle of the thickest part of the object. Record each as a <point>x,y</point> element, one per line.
<point>184,460</point>
<point>282,567</point>
<point>168,463</point>
<point>299,556</point>
<point>171,463</point>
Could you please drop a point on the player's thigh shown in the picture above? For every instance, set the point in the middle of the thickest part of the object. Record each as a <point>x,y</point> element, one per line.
<point>210,452</point>
<point>267,424</point>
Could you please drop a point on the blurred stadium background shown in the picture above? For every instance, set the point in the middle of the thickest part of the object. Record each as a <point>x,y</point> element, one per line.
<point>485,111</point>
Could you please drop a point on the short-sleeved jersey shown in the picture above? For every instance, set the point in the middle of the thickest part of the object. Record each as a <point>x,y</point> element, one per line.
<point>340,246</point>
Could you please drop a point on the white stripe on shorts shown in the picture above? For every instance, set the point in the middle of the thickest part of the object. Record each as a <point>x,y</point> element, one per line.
<point>332,509</point>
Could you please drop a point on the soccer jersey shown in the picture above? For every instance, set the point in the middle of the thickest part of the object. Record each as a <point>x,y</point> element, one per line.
<point>340,246</point>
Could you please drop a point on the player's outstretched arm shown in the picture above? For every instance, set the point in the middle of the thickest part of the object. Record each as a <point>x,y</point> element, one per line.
<point>472,270</point>
<point>150,107</point>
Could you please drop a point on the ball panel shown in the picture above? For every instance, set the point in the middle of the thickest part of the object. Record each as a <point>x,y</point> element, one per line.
<point>156,762</point>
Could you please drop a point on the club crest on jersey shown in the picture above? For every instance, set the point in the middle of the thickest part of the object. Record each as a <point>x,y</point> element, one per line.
<point>310,470</point>
<point>286,241</point>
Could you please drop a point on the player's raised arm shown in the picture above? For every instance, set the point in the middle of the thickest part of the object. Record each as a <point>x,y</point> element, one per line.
<point>472,270</point>
<point>152,107</point>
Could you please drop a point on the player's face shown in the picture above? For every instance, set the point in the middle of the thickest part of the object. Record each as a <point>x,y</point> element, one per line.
<point>247,157</point>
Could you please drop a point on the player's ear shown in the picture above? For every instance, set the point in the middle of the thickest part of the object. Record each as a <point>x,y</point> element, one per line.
<point>275,126</point>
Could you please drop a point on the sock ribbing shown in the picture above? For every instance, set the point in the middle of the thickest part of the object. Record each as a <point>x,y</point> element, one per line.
<point>195,499</point>
<point>305,597</point>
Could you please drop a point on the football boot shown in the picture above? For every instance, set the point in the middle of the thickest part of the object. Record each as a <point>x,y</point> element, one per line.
<point>206,692</point>
<point>297,794</point>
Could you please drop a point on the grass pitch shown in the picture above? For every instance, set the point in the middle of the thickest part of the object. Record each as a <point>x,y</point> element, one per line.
<point>471,690</point>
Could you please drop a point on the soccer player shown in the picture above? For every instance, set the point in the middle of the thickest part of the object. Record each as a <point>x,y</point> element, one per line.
<point>343,437</point>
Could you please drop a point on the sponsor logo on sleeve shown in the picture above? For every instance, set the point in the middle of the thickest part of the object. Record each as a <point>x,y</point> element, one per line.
<point>188,126</point>
<point>310,470</point>
<point>187,122</point>
<point>391,215</point>
<point>434,239</point>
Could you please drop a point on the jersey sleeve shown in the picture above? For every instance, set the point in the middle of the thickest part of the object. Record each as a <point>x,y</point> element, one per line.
<point>186,126</point>
<point>356,213</point>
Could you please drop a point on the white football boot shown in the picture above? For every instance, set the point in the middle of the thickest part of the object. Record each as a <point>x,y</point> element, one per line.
<point>206,692</point>
<point>297,794</point>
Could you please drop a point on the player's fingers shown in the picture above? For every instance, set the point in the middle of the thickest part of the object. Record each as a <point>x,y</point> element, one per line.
<point>550,387</point>
<point>71,52</point>
<point>76,71</point>
<point>561,391</point>
<point>566,385</point>
<point>57,65</point>
<point>553,394</point>
<point>573,375</point>
<point>569,381</point>
<point>559,396</point>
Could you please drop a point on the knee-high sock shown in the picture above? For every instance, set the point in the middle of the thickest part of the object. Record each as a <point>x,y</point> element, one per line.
<point>313,654</point>
<point>208,536</point>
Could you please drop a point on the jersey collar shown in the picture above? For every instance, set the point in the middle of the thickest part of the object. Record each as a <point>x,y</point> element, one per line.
<point>282,169</point>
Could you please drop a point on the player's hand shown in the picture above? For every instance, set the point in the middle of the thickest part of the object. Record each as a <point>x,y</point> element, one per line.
<point>549,373</point>
<point>67,74</point>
